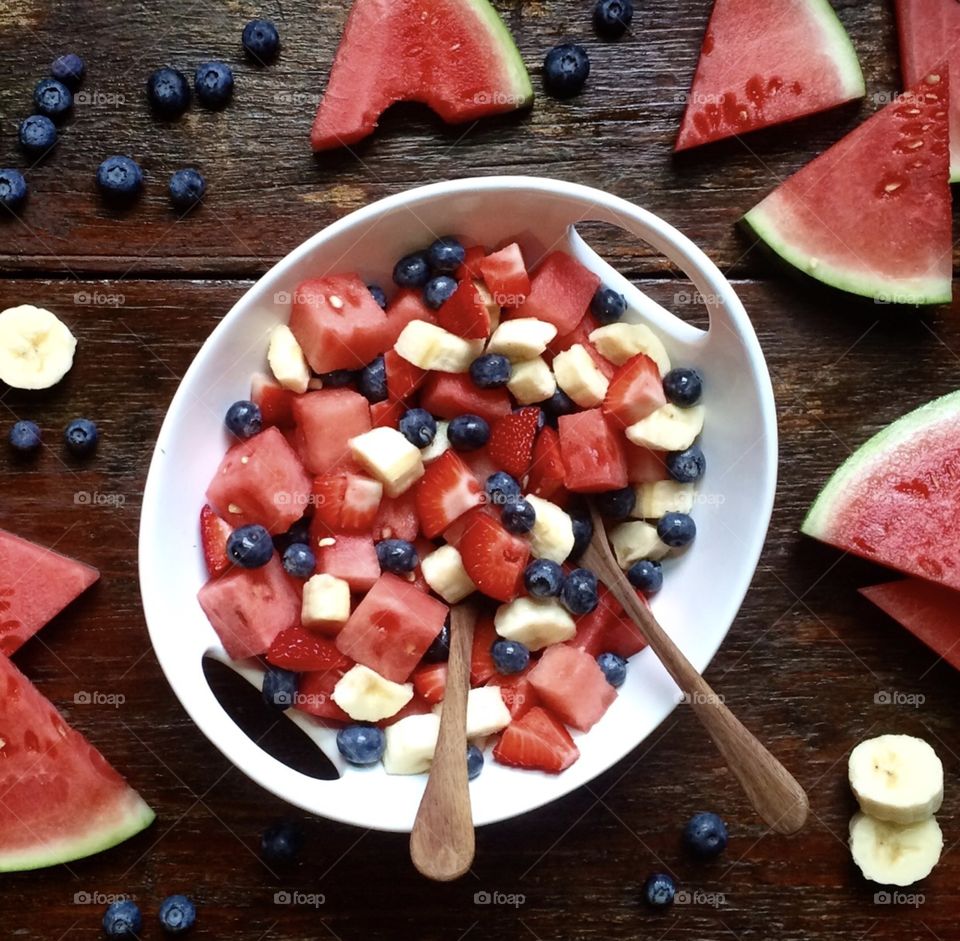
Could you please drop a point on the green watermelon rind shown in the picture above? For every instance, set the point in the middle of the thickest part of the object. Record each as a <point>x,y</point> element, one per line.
<point>843,52</point>
<point>521,88</point>
<point>833,497</point>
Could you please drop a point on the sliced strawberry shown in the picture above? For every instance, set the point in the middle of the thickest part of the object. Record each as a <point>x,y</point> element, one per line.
<point>447,395</point>
<point>536,741</point>
<point>397,518</point>
<point>430,681</point>
<point>480,463</point>
<point>644,465</point>
<point>471,267</point>
<point>481,657</point>
<point>416,707</point>
<point>299,649</point>
<point>361,501</point>
<point>454,532</point>
<point>581,335</point>
<point>386,414</point>
<point>520,697</point>
<point>466,313</point>
<point>493,558</point>
<point>445,492</point>
<point>546,474</point>
<point>403,378</point>
<point>635,391</point>
<point>505,273</point>
<point>315,694</point>
<point>512,439</point>
<point>214,533</point>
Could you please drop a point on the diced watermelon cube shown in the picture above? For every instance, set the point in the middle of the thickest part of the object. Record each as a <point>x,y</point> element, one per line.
<point>351,557</point>
<point>386,414</point>
<point>275,402</point>
<point>643,465</point>
<point>520,697</point>
<point>315,694</point>
<point>635,391</point>
<point>571,684</point>
<point>326,421</point>
<point>593,453</point>
<point>406,305</point>
<point>403,378</point>
<point>560,292</point>
<point>505,273</point>
<point>397,518</point>
<point>538,742</point>
<point>481,463</point>
<point>448,395</point>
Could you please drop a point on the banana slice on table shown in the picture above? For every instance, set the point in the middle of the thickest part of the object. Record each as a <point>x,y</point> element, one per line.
<point>895,854</point>
<point>897,778</point>
<point>36,347</point>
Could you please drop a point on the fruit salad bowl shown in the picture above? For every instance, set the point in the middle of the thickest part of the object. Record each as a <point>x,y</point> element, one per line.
<point>704,587</point>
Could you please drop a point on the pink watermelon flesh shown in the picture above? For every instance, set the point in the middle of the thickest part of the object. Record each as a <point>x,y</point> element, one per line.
<point>929,611</point>
<point>59,798</point>
<point>930,35</point>
<point>765,63</point>
<point>35,584</point>
<point>896,500</point>
<point>326,421</point>
<point>872,215</point>
<point>456,56</point>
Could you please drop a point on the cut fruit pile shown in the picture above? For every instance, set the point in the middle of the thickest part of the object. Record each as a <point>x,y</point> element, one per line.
<point>407,456</point>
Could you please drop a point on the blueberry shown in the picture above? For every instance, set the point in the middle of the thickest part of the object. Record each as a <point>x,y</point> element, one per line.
<point>338,378</point>
<point>474,762</point>
<point>213,82</point>
<point>439,650</point>
<point>612,17</point>
<point>69,69</point>
<point>438,290</point>
<point>418,426</point>
<point>377,292</point>
<point>502,488</point>
<point>412,271</point>
<point>38,134</point>
<point>281,842</point>
<point>616,504</point>
<point>119,178</point>
<point>518,516</point>
<point>261,40</point>
<point>397,556</point>
<point>25,436</point>
<point>468,432</point>
<point>81,437</point>
<point>361,744</point>
<point>705,835</point>
<point>614,668</point>
<point>122,919</point>
<point>243,419</point>
<point>299,560</point>
<point>53,98</point>
<point>688,466</point>
<point>646,576</point>
<point>168,92</point>
<point>13,188</point>
<point>565,70</point>
<point>543,578</point>
<point>280,688</point>
<point>298,532</point>
<point>510,656</point>
<point>445,255</point>
<point>186,188</point>
<point>373,380</point>
<point>659,890</point>
<point>579,592</point>
<point>582,533</point>
<point>683,387</point>
<point>250,546</point>
<point>676,530</point>
<point>558,404</point>
<point>177,914</point>
<point>607,305</point>
<point>490,371</point>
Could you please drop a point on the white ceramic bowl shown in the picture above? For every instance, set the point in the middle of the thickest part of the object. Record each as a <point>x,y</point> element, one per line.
<point>703,589</point>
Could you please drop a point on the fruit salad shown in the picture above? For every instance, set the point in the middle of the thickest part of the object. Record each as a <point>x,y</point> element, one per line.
<point>399,457</point>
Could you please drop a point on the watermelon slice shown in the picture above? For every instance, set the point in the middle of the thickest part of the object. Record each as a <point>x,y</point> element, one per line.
<point>765,63</point>
<point>929,611</point>
<point>896,500</point>
<point>37,584</point>
<point>59,799</point>
<point>872,215</point>
<point>930,34</point>
<point>456,56</point>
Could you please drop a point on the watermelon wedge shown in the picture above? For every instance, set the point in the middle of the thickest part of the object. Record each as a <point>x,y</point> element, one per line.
<point>929,611</point>
<point>764,63</point>
<point>456,56</point>
<point>872,215</point>
<point>929,35</point>
<point>897,499</point>
<point>59,799</point>
<point>35,584</point>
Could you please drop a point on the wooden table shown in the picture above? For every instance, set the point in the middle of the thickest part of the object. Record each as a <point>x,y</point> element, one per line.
<point>802,664</point>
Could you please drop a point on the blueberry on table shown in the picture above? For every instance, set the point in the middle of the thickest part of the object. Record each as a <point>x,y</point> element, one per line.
<point>676,530</point>
<point>261,41</point>
<point>490,371</point>
<point>177,914</point>
<point>474,762</point>
<point>280,688</point>
<point>52,98</point>
<point>38,134</point>
<point>299,560</point>
<point>25,437</point>
<point>418,426</point>
<point>361,744</point>
<point>616,504</point>
<point>168,92</point>
<point>119,178</point>
<point>250,546</point>
<point>13,188</point>
<point>281,842</point>
<point>518,516</point>
<point>611,18</point>
<point>446,254</point>
<point>373,380</point>
<point>607,305</point>
<point>502,488</point>
<point>186,188</point>
<point>122,919</point>
<point>579,594</point>
<point>565,70</point>
<point>468,432</point>
<point>705,835</point>
<point>412,271</point>
<point>377,293</point>
<point>439,650</point>
<point>646,576</point>
<point>243,419</point>
<point>509,656</point>
<point>686,467</point>
<point>437,290</point>
<point>338,378</point>
<point>683,387</point>
<point>81,437</point>
<point>543,578</point>
<point>397,556</point>
<point>69,69</point>
<point>213,82</point>
<point>659,890</point>
<point>614,668</point>
<point>582,533</point>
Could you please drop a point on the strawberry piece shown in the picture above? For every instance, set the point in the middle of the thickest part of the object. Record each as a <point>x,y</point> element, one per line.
<point>547,473</point>
<point>481,464</point>
<point>622,636</point>
<point>403,378</point>
<point>397,518</point>
<point>448,395</point>
<point>635,391</point>
<point>505,273</point>
<point>454,532</point>
<point>592,628</point>
<point>327,498</point>
<point>361,501</point>
<point>416,707</point>
<point>386,414</point>
<point>299,649</point>
<point>430,681</point>
<point>644,465</point>
<point>465,313</point>
<point>471,263</point>
<point>536,741</point>
<point>315,694</point>
<point>404,306</point>
<point>512,439</point>
<point>485,636</point>
<point>493,558</point>
<point>581,334</point>
<point>445,492</point>
<point>214,533</point>
<point>518,695</point>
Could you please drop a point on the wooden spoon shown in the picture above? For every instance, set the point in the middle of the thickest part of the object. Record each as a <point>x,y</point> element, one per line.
<point>773,791</point>
<point>442,839</point>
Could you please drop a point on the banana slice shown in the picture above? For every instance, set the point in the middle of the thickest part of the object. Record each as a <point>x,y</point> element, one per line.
<point>36,348</point>
<point>668,429</point>
<point>286,359</point>
<point>895,854</point>
<point>365,695</point>
<point>897,778</point>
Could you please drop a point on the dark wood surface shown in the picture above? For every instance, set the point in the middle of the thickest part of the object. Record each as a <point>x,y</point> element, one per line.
<point>803,662</point>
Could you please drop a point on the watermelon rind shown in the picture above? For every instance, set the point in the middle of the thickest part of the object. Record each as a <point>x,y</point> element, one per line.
<point>841,48</point>
<point>520,86</point>
<point>828,505</point>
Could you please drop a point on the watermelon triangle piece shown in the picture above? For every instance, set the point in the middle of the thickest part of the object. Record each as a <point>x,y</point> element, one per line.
<point>929,611</point>
<point>930,35</point>
<point>896,500</point>
<point>59,798</point>
<point>35,584</point>
<point>456,56</point>
<point>765,63</point>
<point>872,215</point>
